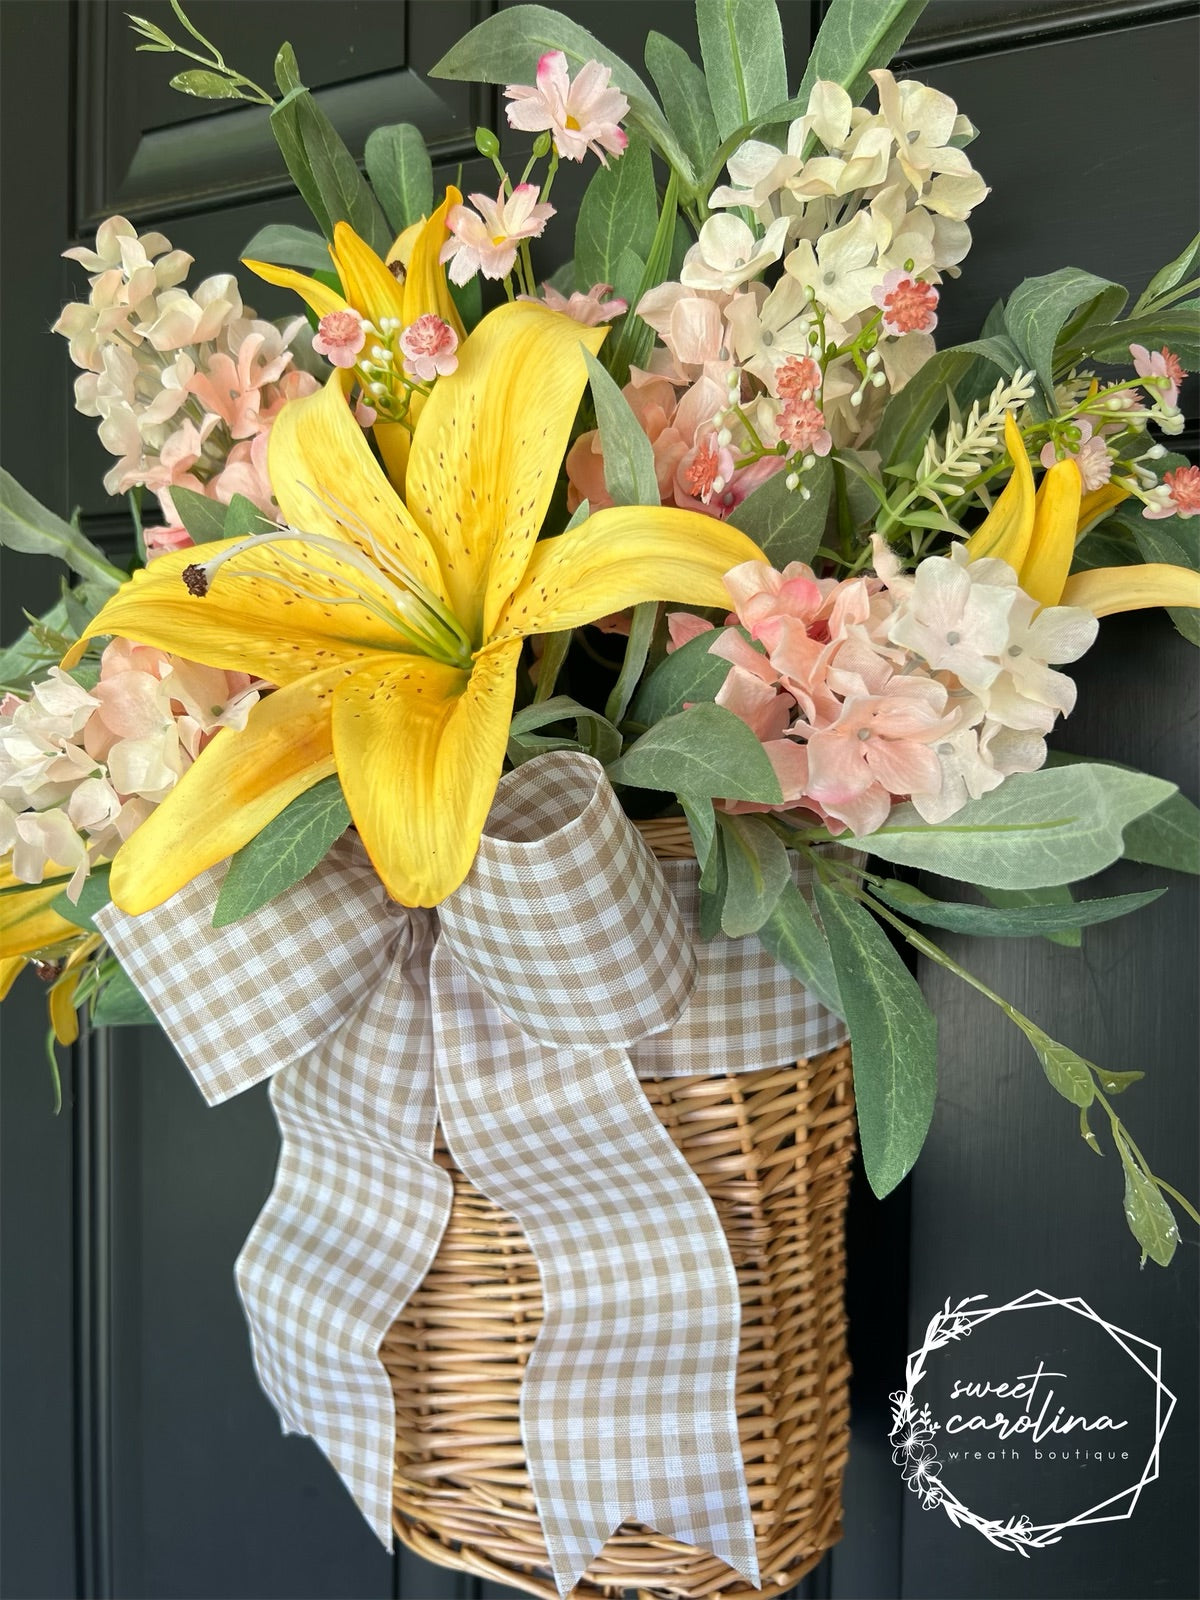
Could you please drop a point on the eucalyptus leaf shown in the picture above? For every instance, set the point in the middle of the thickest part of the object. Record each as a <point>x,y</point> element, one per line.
<point>1185,266</point>
<point>203,518</point>
<point>42,644</point>
<point>1168,835</point>
<point>1038,310</point>
<point>793,936</point>
<point>506,48</point>
<point>287,70</point>
<point>617,219</point>
<point>741,42</point>
<point>1057,894</point>
<point>909,417</point>
<point>783,524</point>
<point>32,528</point>
<point>714,881</point>
<point>1015,922</point>
<point>705,752</point>
<point>629,472</point>
<point>1150,1218</point>
<point>1177,326</point>
<point>893,1037</point>
<point>684,94</point>
<point>206,85</point>
<point>855,37</point>
<point>757,868</point>
<point>119,1004</point>
<point>702,825</point>
<point>593,733</point>
<point>242,517</point>
<point>325,172</point>
<point>401,173</point>
<point>1068,1073</point>
<point>1156,544</point>
<point>286,850</point>
<point>289,246</point>
<point>691,673</point>
<point>94,896</point>
<point>1118,1082</point>
<point>637,648</point>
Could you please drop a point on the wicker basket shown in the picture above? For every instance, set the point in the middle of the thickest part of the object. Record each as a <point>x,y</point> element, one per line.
<point>773,1150</point>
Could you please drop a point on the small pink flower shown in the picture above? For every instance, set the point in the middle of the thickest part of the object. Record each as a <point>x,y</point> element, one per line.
<point>583,115</point>
<point>706,468</point>
<point>799,378</point>
<point>908,304</point>
<point>429,346</point>
<point>1090,456</point>
<point>1160,364</point>
<point>172,536</point>
<point>340,336</point>
<point>590,309</point>
<point>1182,498</point>
<point>486,240</point>
<point>802,424</point>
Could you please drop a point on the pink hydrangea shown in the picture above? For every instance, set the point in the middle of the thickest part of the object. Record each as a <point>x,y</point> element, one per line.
<point>340,336</point>
<point>801,424</point>
<point>582,115</point>
<point>909,305</point>
<point>1090,455</point>
<point>429,346</point>
<point>1177,496</point>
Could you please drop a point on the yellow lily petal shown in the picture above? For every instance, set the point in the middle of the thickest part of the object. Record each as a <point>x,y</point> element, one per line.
<point>1052,544</point>
<point>64,1018</point>
<point>322,299</point>
<point>1008,527</point>
<point>10,970</point>
<point>237,784</point>
<point>394,441</point>
<point>370,288</point>
<point>1096,505</point>
<point>1153,583</point>
<point>425,286</point>
<point>244,624</point>
<point>486,454</point>
<point>402,244</point>
<point>619,557</point>
<point>27,923</point>
<point>319,462</point>
<point>420,748</point>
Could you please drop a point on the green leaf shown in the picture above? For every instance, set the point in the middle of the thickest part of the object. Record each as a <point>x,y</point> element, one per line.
<point>325,172</point>
<point>684,94</point>
<point>32,528</point>
<point>506,48</point>
<point>287,70</point>
<point>1184,267</point>
<point>893,1036</point>
<point>401,173</point>
<point>1018,922</point>
<point>741,42</point>
<point>1056,895</point>
<point>203,518</point>
<point>617,220</point>
<point>119,1004</point>
<point>793,936</point>
<point>1177,326</point>
<point>206,85</point>
<point>593,733</point>
<point>909,417</point>
<point>42,644</point>
<point>714,881</point>
<point>1156,543</point>
<point>784,525</point>
<point>688,674</point>
<point>285,851</point>
<point>1146,1211</point>
<point>706,753</point>
<point>757,866</point>
<point>702,825</point>
<point>1069,1074</point>
<point>634,342</point>
<point>1037,828</point>
<point>93,897</point>
<point>629,472</point>
<point>1118,1082</point>
<point>855,37</point>
<point>1168,835</point>
<point>637,648</point>
<point>288,246</point>
<point>1040,308</point>
<point>243,517</point>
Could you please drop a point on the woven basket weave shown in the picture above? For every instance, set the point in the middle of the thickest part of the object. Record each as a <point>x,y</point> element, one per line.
<point>773,1150</point>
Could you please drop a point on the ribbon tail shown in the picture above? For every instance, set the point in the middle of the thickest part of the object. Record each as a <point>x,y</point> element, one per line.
<point>350,1229</point>
<point>627,1405</point>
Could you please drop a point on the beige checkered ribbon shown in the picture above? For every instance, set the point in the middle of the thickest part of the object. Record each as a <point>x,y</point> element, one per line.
<point>523,1013</point>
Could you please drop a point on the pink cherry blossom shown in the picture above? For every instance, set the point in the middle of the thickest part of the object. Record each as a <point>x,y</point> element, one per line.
<point>486,240</point>
<point>1182,497</point>
<point>708,466</point>
<point>801,424</point>
<point>340,336</point>
<point>1160,364</point>
<point>429,347</point>
<point>1090,456</point>
<point>799,378</point>
<point>590,309</point>
<point>909,305</point>
<point>584,115</point>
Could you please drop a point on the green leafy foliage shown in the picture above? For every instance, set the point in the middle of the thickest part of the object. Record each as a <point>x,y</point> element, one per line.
<point>1037,828</point>
<point>757,869</point>
<point>893,1035</point>
<point>325,172</point>
<point>1058,308</point>
<point>629,472</point>
<point>593,733</point>
<point>203,518</point>
<point>910,416</point>
<point>118,1003</point>
<point>856,37</point>
<point>285,851</point>
<point>289,246</point>
<point>705,752</point>
<point>1171,540</point>
<point>1177,325</point>
<point>783,524</point>
<point>29,526</point>
<point>1168,835</point>
<point>741,42</point>
<point>1168,279</point>
<point>1068,1073</point>
<point>794,937</point>
<point>691,673</point>
<point>93,897</point>
<point>617,220</point>
<point>684,94</point>
<point>1057,894</point>
<point>1013,922</point>
<point>401,173</point>
<point>1146,1211</point>
<point>47,637</point>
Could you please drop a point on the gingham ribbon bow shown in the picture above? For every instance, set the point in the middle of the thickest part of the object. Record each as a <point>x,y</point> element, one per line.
<point>521,1014</point>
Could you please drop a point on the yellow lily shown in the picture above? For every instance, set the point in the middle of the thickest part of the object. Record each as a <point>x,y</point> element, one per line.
<point>1036,534</point>
<point>393,629</point>
<point>378,295</point>
<point>29,927</point>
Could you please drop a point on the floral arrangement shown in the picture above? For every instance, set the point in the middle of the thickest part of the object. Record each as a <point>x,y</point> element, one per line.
<point>707,503</point>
